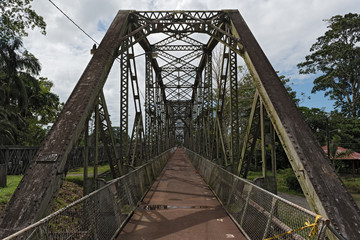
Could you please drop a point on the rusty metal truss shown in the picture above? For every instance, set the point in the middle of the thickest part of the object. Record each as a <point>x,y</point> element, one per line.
<point>184,104</point>
<point>107,137</point>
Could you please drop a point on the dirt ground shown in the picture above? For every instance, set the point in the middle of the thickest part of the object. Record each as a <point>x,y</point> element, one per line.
<point>69,193</point>
<point>301,201</point>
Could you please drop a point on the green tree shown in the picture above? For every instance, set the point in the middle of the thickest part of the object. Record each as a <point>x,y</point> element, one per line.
<point>27,103</point>
<point>315,118</point>
<point>348,136</point>
<point>293,94</point>
<point>44,106</point>
<point>16,17</point>
<point>350,130</point>
<point>337,56</point>
<point>18,69</point>
<point>9,121</point>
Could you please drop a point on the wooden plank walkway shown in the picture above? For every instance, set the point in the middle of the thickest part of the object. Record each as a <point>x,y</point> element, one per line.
<point>180,205</point>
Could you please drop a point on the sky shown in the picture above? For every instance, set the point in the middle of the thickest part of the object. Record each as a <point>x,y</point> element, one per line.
<point>285,30</point>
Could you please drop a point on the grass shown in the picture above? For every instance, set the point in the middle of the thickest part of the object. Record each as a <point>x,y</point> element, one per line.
<point>356,196</point>
<point>12,181</point>
<point>77,175</point>
<point>352,184</point>
<point>69,193</point>
<point>252,175</point>
<point>281,183</point>
<point>80,171</point>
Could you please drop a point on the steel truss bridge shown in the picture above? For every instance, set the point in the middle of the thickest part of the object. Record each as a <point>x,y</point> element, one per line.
<point>183,105</point>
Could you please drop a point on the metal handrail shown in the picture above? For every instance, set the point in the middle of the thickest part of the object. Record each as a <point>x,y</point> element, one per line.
<point>133,185</point>
<point>258,213</point>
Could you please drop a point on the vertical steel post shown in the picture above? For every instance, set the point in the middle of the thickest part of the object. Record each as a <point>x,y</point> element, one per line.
<point>124,101</point>
<point>159,122</point>
<point>136,142</point>
<point>96,132</point>
<point>234,109</point>
<point>107,138</point>
<point>86,158</point>
<point>150,111</point>
<point>273,157</point>
<point>201,114</point>
<point>262,130</point>
<point>207,107</point>
<point>167,132</point>
<point>220,128</point>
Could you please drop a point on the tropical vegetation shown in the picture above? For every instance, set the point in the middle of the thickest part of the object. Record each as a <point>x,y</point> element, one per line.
<point>27,104</point>
<point>335,57</point>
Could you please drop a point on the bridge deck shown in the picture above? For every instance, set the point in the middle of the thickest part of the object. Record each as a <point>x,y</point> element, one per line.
<point>180,205</point>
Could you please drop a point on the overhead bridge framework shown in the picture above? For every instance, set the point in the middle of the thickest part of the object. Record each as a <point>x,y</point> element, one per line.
<point>182,106</point>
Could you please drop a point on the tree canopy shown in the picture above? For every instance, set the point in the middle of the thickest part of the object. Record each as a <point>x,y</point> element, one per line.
<point>336,56</point>
<point>18,68</point>
<point>16,17</point>
<point>27,104</point>
<point>26,99</point>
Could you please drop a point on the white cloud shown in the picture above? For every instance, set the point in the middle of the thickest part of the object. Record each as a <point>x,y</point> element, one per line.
<point>285,29</point>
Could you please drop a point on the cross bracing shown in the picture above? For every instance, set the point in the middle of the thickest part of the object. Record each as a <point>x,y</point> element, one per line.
<point>184,106</point>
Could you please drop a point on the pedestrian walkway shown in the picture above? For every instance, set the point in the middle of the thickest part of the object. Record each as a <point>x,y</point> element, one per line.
<point>180,205</point>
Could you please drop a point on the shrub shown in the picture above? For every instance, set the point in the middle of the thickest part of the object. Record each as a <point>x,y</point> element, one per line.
<point>291,181</point>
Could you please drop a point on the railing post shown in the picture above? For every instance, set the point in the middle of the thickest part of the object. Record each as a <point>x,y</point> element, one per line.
<point>246,206</point>
<point>273,204</point>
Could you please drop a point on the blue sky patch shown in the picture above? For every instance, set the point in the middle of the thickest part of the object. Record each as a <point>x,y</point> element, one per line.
<point>101,26</point>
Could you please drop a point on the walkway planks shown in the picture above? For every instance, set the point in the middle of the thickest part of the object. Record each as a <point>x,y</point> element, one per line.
<point>180,205</point>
